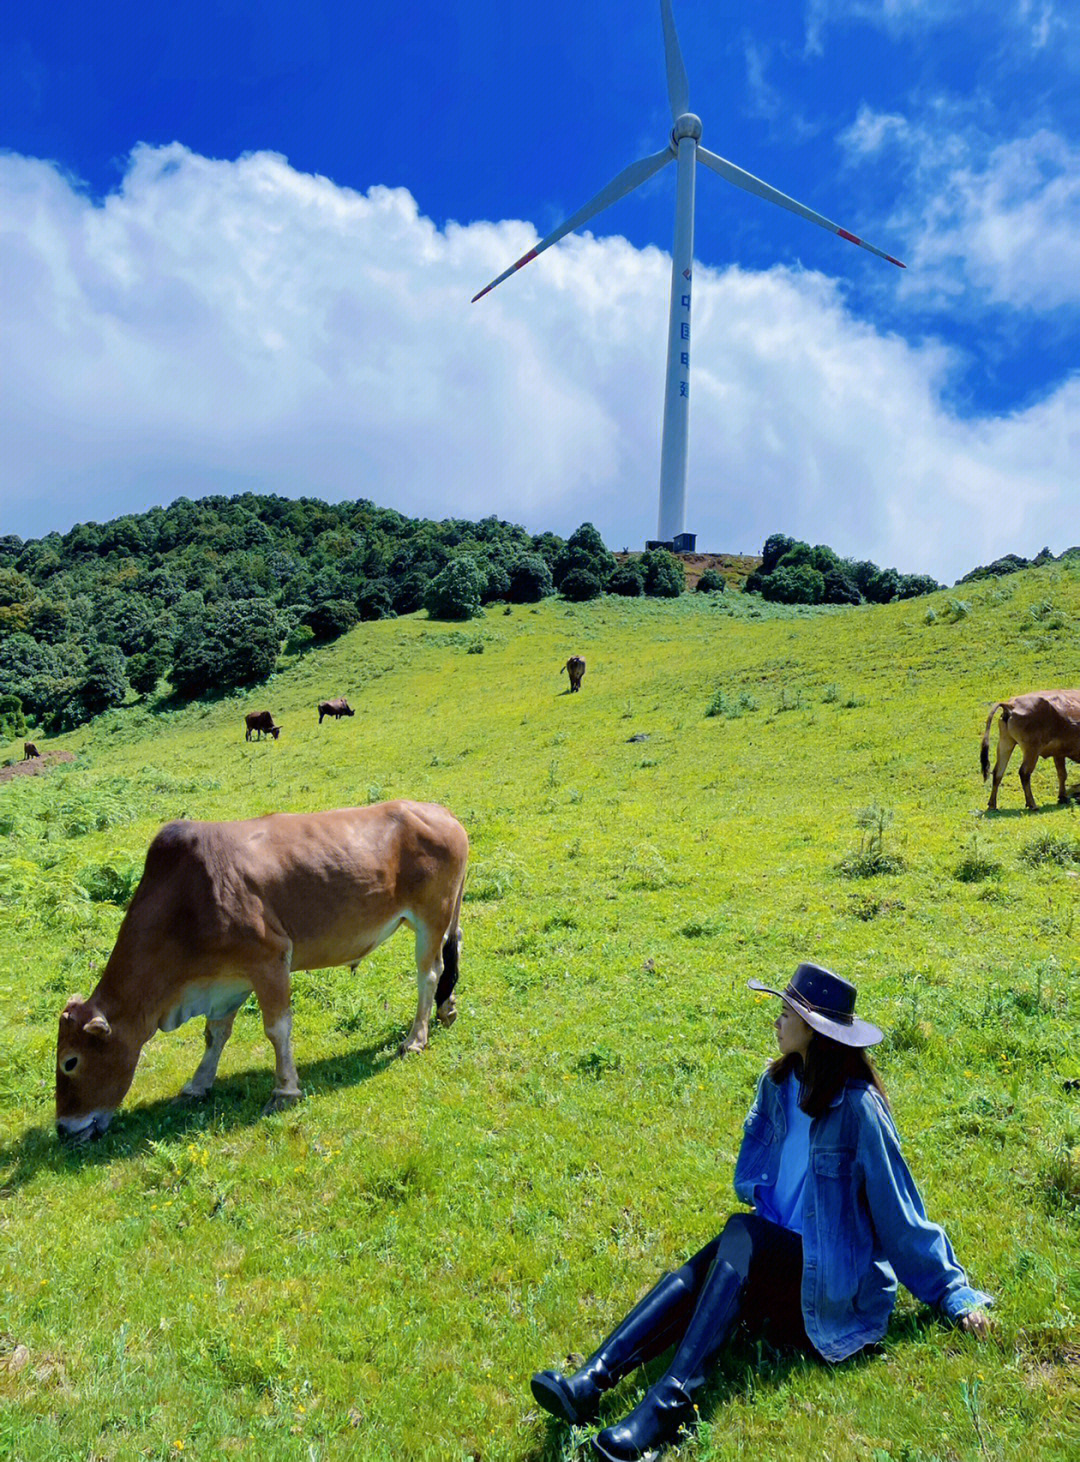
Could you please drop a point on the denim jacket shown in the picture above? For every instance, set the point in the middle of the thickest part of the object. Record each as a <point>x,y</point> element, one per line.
<point>864,1225</point>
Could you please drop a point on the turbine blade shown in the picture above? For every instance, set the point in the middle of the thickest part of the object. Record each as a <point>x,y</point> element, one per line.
<point>677,85</point>
<point>751,184</point>
<point>625,183</point>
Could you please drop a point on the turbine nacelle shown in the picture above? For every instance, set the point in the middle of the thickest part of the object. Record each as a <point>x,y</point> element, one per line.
<point>688,125</point>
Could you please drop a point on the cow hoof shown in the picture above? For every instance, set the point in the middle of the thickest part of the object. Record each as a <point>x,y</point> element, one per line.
<point>411,1048</point>
<point>280,1101</point>
<point>447,1014</point>
<point>185,1097</point>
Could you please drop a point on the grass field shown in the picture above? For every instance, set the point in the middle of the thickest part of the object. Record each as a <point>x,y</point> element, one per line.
<point>375,1273</point>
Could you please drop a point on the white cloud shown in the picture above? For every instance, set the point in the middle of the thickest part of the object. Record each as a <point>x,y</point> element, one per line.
<point>218,326</point>
<point>1002,219</point>
<point>1040,21</point>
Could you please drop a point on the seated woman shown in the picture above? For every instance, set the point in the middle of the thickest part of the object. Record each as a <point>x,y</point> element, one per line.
<point>836,1220</point>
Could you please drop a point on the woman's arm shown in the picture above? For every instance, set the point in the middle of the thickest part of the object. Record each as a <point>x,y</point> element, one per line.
<point>918,1250</point>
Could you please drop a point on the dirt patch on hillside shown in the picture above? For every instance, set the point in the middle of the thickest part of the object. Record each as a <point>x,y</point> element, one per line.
<point>37,765</point>
<point>734,568</point>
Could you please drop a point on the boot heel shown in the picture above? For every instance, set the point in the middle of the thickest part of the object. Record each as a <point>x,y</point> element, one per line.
<point>553,1393</point>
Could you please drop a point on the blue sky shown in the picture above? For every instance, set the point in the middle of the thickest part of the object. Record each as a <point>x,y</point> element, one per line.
<point>240,243</point>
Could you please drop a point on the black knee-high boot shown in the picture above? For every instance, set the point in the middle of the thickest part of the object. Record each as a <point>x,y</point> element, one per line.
<point>668,1407</point>
<point>645,1333</point>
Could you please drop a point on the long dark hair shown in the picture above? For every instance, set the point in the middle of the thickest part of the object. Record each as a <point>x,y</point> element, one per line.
<point>828,1068</point>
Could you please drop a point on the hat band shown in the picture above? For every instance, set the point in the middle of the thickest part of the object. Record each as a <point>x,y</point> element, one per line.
<point>844,1017</point>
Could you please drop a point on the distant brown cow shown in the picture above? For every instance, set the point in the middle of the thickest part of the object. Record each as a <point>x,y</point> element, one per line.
<point>336,708</point>
<point>29,751</point>
<point>575,668</point>
<point>260,721</point>
<point>1042,723</point>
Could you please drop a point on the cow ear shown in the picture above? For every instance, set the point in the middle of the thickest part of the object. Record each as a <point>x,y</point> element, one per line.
<point>72,1008</point>
<point>98,1026</point>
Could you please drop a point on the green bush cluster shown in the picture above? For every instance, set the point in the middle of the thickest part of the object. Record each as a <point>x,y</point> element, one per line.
<point>793,572</point>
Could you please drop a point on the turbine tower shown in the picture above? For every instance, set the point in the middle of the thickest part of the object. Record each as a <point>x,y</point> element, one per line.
<point>684,146</point>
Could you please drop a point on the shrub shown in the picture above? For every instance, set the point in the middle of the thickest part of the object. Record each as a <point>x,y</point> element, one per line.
<point>839,588</point>
<point>711,582</point>
<point>628,579</point>
<point>665,577</point>
<point>579,585</point>
<point>870,859</point>
<point>331,618</point>
<point>530,579</point>
<point>407,592</point>
<point>145,670</point>
<point>496,583</point>
<point>584,552</point>
<point>375,600</point>
<point>455,592</point>
<point>1053,848</point>
<point>802,585</point>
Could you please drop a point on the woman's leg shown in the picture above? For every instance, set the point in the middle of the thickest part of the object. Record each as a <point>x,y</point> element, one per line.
<point>646,1332</point>
<point>751,1256</point>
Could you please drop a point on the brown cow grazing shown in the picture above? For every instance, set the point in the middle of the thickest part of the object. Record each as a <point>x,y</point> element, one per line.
<point>336,708</point>
<point>260,721</point>
<point>1042,723</point>
<point>29,751</point>
<point>227,908</point>
<point>575,668</point>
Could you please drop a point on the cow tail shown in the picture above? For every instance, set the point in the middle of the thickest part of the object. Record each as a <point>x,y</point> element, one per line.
<point>451,953</point>
<point>984,752</point>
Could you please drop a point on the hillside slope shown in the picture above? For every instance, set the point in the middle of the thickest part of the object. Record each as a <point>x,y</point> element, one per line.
<point>376,1273</point>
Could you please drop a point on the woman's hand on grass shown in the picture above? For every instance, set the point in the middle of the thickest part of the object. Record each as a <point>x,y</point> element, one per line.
<point>978,1323</point>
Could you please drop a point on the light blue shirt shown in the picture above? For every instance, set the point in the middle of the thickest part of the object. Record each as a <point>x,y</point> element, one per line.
<point>864,1224</point>
<point>782,1202</point>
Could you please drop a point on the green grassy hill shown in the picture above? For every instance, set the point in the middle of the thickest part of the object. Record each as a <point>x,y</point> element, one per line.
<point>376,1273</point>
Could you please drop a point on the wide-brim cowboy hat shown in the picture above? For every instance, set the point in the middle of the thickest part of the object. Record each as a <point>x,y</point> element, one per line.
<point>826,1003</point>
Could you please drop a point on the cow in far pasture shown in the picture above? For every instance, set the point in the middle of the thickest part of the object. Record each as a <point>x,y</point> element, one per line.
<point>260,722</point>
<point>30,751</point>
<point>336,708</point>
<point>1042,723</point>
<point>575,668</point>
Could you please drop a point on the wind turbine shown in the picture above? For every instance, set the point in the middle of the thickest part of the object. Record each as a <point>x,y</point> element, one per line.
<point>685,148</point>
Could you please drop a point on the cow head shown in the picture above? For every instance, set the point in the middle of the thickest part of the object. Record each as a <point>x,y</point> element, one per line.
<point>275,732</point>
<point>349,710</point>
<point>94,1068</point>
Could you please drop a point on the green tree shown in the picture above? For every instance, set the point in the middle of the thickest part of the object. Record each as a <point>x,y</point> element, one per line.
<point>146,669</point>
<point>665,577</point>
<point>12,720</point>
<point>102,685</point>
<point>802,585</point>
<point>579,585</point>
<point>530,579</point>
<point>235,645</point>
<point>331,618</point>
<point>584,551</point>
<point>455,592</point>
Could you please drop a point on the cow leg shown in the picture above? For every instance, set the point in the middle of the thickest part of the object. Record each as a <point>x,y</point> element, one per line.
<point>217,1033</point>
<point>1059,763</point>
<point>429,968</point>
<point>1004,752</point>
<point>272,984</point>
<point>286,1092</point>
<point>1027,766</point>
